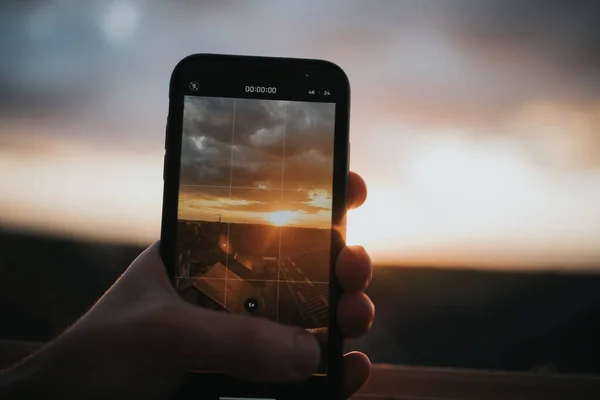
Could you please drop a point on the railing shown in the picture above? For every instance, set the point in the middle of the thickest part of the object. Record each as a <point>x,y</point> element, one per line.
<point>391,382</point>
<point>413,383</point>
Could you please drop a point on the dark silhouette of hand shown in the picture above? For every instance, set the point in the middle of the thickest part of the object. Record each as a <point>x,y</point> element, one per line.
<point>140,338</point>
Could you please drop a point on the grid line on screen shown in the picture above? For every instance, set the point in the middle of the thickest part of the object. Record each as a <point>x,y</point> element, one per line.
<point>281,199</point>
<point>230,185</point>
<point>241,187</point>
<point>291,284</point>
<point>263,272</point>
<point>267,280</point>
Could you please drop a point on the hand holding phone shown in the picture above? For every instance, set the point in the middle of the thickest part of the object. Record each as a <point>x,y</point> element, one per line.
<point>140,337</point>
<point>256,178</point>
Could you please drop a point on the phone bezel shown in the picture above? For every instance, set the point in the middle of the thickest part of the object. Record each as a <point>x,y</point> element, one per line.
<point>216,385</point>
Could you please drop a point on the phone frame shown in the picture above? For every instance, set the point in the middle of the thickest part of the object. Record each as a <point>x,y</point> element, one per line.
<point>215,385</point>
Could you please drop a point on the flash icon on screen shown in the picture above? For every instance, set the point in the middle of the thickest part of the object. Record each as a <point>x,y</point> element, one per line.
<point>194,86</point>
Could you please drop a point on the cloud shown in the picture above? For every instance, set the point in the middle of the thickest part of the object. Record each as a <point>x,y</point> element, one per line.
<point>271,144</point>
<point>554,34</point>
<point>246,158</point>
<point>310,208</point>
<point>431,63</point>
<point>522,73</point>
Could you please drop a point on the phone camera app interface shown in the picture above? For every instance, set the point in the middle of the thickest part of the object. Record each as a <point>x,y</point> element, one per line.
<point>254,213</point>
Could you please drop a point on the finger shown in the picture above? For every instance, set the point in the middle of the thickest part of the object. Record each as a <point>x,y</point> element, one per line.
<point>353,269</point>
<point>357,190</point>
<point>357,370</point>
<point>248,348</point>
<point>355,314</point>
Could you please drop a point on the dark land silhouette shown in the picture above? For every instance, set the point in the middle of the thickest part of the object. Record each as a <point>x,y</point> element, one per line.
<point>425,316</point>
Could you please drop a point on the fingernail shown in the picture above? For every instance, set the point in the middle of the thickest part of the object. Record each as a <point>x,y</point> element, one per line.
<point>306,354</point>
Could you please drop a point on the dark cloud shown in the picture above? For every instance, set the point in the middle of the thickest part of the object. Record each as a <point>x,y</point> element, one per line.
<point>258,143</point>
<point>459,63</point>
<point>473,63</point>
<point>562,34</point>
<point>206,141</point>
<point>245,158</point>
<point>271,144</point>
<point>54,56</point>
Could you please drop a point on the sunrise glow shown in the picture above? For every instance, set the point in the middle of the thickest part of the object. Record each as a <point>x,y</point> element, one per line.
<point>282,218</point>
<point>474,151</point>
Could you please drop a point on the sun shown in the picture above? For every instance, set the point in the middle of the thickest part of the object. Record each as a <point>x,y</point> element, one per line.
<point>281,218</point>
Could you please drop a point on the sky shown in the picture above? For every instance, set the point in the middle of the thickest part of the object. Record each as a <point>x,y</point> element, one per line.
<point>475,123</point>
<point>257,161</point>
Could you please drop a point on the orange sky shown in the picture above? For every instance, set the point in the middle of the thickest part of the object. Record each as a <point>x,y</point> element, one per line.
<point>431,207</point>
<point>273,207</point>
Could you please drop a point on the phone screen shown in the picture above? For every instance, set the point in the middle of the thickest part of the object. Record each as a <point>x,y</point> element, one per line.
<point>254,215</point>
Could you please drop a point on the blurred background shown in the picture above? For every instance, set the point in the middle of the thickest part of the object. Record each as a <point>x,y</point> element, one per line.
<point>475,123</point>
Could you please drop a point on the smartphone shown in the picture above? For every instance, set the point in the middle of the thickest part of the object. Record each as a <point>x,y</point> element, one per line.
<point>255,181</point>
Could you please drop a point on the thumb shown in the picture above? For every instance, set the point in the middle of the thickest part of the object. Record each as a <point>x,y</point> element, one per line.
<point>249,348</point>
